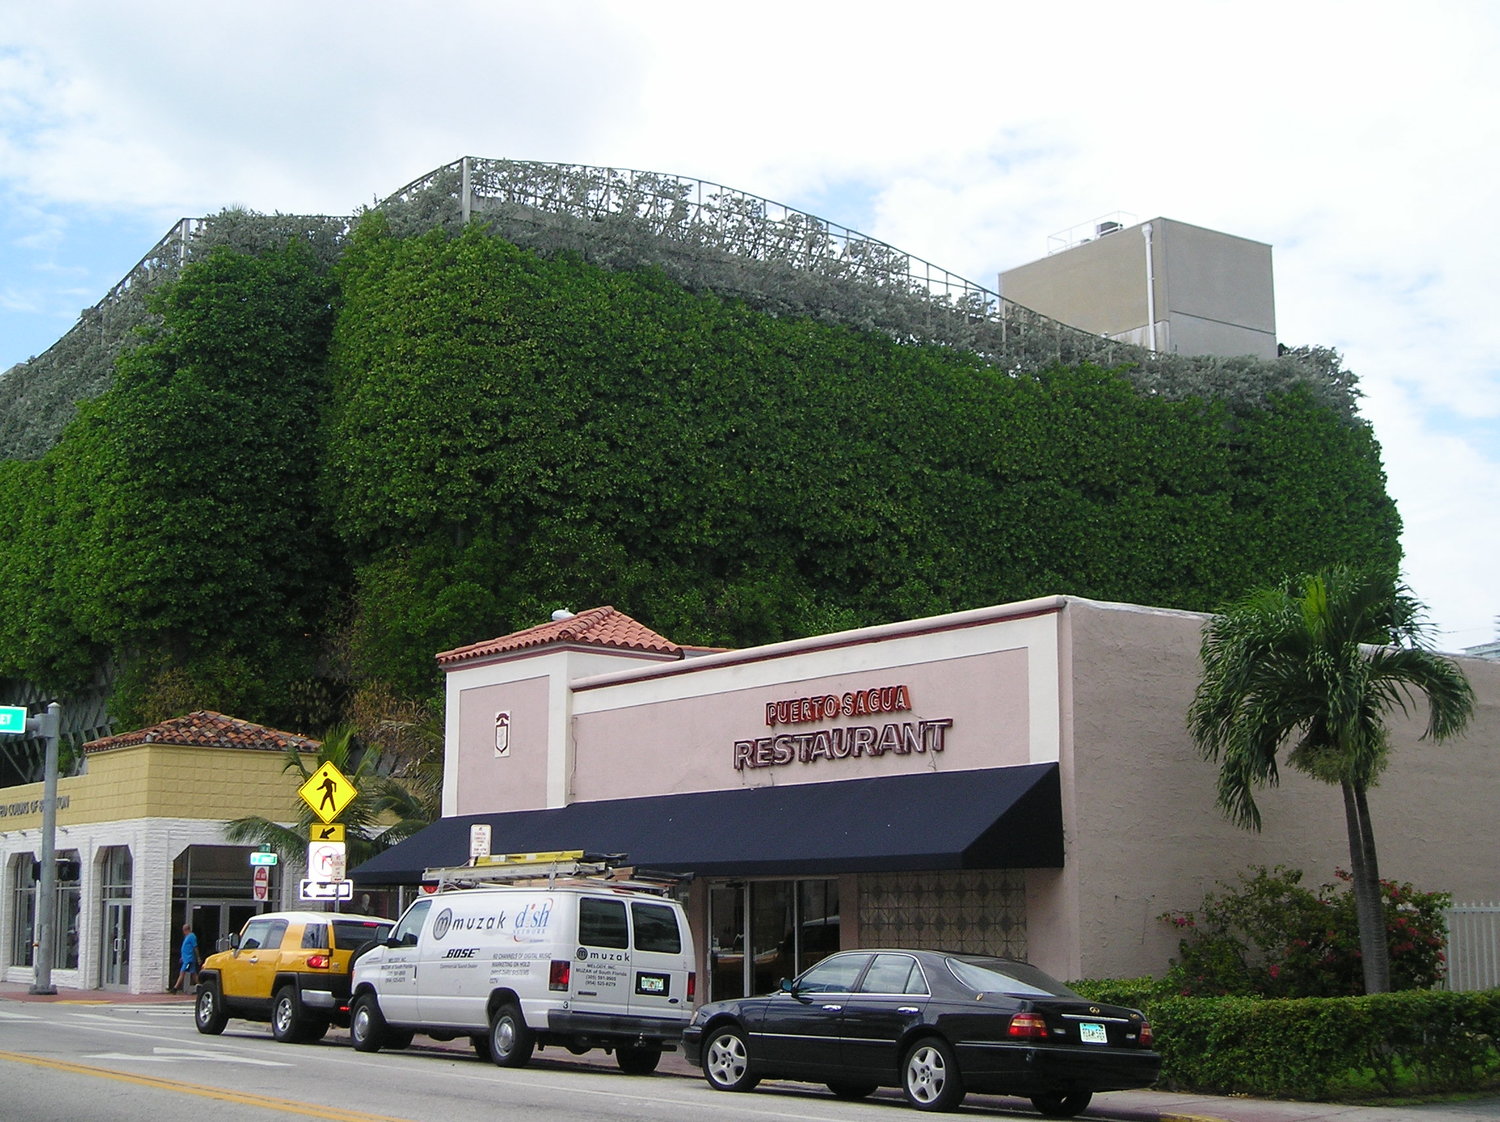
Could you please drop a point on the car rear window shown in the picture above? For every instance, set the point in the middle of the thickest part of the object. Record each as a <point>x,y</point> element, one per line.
<point>999,975</point>
<point>350,935</point>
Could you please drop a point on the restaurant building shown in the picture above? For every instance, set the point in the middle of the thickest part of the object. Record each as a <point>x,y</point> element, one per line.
<point>1015,779</point>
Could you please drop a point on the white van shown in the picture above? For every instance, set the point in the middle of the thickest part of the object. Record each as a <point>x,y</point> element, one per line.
<point>579,965</point>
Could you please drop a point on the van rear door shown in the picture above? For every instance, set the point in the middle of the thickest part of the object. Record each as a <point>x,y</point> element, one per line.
<point>601,967</point>
<point>662,961</point>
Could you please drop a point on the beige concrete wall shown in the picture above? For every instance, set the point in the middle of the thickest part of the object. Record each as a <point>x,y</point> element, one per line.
<point>162,781</point>
<point>1144,836</point>
<point>1213,292</point>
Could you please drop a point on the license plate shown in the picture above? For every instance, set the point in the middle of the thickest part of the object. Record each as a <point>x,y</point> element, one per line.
<point>651,984</point>
<point>1091,1033</point>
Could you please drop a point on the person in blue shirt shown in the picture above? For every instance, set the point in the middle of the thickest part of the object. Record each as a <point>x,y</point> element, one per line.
<point>188,956</point>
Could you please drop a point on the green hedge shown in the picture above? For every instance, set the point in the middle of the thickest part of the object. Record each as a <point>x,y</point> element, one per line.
<point>1410,1043</point>
<point>301,482</point>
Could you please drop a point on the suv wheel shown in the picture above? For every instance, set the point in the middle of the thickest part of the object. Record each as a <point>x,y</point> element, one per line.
<point>208,1010</point>
<point>288,1025</point>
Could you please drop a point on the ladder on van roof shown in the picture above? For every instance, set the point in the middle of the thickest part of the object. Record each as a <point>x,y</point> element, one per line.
<point>550,869</point>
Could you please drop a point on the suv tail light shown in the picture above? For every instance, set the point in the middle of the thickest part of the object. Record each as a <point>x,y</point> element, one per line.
<point>318,961</point>
<point>560,975</point>
<point>1030,1025</point>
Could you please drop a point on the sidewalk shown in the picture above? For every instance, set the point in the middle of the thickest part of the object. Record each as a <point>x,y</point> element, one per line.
<point>1130,1106</point>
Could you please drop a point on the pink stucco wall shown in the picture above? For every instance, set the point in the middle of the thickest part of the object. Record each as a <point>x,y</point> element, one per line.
<point>514,782</point>
<point>688,743</point>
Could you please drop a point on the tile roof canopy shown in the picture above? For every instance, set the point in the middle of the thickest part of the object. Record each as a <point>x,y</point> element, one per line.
<point>598,627</point>
<point>207,729</point>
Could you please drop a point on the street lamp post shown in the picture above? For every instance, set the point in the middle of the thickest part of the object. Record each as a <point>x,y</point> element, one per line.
<point>48,725</point>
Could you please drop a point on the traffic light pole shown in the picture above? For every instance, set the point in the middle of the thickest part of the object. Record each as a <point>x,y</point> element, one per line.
<point>47,725</point>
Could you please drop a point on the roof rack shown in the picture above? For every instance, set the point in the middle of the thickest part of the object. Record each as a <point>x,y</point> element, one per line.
<point>549,869</point>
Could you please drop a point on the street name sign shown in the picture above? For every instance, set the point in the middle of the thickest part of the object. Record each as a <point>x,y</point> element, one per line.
<point>13,718</point>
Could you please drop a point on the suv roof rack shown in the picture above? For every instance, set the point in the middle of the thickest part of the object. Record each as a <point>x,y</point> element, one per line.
<point>552,868</point>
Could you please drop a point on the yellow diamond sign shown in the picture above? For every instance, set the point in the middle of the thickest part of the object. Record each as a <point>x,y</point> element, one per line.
<point>328,792</point>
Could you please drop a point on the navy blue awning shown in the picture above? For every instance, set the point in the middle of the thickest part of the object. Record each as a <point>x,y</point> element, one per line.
<point>1000,818</point>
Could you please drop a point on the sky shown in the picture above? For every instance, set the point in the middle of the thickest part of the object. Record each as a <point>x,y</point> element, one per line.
<point>1360,140</point>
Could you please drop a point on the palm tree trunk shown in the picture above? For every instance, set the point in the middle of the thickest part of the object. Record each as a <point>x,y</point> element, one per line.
<point>1376,906</point>
<point>1374,944</point>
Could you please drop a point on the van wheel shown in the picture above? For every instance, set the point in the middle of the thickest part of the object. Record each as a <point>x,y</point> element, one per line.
<point>637,1060</point>
<point>511,1042</point>
<point>208,1010</point>
<point>367,1029</point>
<point>1055,1104</point>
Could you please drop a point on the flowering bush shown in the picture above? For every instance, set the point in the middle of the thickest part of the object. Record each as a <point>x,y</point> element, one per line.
<point>1271,936</point>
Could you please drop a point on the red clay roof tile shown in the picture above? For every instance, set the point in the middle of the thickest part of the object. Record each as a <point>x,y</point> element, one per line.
<point>207,729</point>
<point>598,627</point>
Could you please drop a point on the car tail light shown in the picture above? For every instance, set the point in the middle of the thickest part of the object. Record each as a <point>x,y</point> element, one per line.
<point>1146,1035</point>
<point>560,975</point>
<point>317,961</point>
<point>1028,1025</point>
<point>692,985</point>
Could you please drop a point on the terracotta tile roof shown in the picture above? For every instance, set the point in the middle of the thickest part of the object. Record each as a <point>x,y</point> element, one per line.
<point>598,627</point>
<point>207,729</point>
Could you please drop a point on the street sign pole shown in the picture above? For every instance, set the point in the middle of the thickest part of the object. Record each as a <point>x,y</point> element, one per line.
<point>46,906</point>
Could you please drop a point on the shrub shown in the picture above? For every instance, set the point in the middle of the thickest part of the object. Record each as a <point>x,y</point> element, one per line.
<point>1270,936</point>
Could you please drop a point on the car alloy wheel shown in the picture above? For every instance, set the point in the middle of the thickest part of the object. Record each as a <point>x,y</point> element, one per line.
<point>929,1078</point>
<point>726,1061</point>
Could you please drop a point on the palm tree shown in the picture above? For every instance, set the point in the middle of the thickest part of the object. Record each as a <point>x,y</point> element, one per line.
<point>1315,664</point>
<point>367,818</point>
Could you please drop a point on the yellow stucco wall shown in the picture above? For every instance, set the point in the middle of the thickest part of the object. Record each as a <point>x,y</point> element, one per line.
<point>163,781</point>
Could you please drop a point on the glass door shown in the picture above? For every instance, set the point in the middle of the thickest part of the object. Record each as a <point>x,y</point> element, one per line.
<point>116,956</point>
<point>763,931</point>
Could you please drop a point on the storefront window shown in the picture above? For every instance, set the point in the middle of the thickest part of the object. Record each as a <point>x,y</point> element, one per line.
<point>26,874</point>
<point>787,925</point>
<point>68,911</point>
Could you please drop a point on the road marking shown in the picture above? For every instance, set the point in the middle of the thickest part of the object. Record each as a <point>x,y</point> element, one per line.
<point>286,1106</point>
<point>175,1055</point>
<point>4,1016</point>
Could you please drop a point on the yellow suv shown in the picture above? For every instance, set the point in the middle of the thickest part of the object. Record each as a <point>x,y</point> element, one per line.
<point>289,968</point>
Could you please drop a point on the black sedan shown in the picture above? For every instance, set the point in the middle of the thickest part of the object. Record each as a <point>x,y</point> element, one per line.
<point>936,1025</point>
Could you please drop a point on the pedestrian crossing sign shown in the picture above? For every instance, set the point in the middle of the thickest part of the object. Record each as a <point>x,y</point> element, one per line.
<point>327,792</point>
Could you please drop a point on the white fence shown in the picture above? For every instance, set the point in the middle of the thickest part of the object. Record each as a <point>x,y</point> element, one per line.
<point>1473,946</point>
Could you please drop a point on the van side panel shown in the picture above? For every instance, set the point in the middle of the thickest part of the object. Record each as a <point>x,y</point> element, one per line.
<point>480,941</point>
